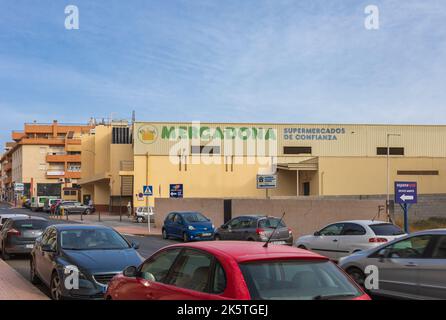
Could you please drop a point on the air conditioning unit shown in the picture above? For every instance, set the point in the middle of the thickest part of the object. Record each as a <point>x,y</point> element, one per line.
<point>68,180</point>
<point>61,180</point>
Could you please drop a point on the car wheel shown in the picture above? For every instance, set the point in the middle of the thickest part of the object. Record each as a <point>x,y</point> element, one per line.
<point>55,288</point>
<point>87,212</point>
<point>140,219</point>
<point>357,275</point>
<point>5,256</point>
<point>302,247</point>
<point>217,237</point>
<point>185,237</point>
<point>33,275</point>
<point>165,236</point>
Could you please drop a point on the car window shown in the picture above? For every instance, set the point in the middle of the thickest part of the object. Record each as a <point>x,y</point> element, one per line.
<point>271,223</point>
<point>170,216</point>
<point>219,281</point>
<point>353,229</point>
<point>192,271</point>
<point>410,248</point>
<point>30,224</point>
<point>235,223</point>
<point>245,223</point>
<point>332,230</point>
<point>92,239</point>
<point>386,229</point>
<point>439,251</point>
<point>159,265</point>
<point>195,217</point>
<point>177,219</point>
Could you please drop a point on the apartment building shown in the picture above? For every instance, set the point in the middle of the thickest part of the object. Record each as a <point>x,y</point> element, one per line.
<point>46,158</point>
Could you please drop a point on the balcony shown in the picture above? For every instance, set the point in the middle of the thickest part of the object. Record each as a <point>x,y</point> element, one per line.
<point>73,174</point>
<point>63,157</point>
<point>17,135</point>
<point>43,141</point>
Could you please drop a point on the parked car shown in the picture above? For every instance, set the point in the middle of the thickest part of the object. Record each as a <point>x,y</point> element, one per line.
<point>38,202</point>
<point>343,238</point>
<point>255,228</point>
<point>239,270</point>
<point>141,214</point>
<point>188,226</point>
<point>19,234</point>
<point>74,207</point>
<point>50,203</point>
<point>413,266</point>
<point>98,252</point>
<point>4,217</point>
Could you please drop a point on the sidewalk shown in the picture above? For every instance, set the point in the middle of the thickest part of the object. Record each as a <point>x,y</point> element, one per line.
<point>14,287</point>
<point>126,226</point>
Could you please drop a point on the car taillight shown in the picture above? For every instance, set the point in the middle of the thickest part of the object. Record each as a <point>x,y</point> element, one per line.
<point>377,240</point>
<point>13,232</point>
<point>260,231</point>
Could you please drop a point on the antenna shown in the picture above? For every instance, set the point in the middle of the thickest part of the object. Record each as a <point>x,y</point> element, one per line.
<point>272,233</point>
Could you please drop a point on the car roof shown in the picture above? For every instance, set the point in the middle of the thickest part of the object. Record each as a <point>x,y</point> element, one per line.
<point>186,212</point>
<point>249,251</point>
<point>63,227</point>
<point>431,231</point>
<point>26,217</point>
<point>257,216</point>
<point>363,222</point>
<point>10,215</point>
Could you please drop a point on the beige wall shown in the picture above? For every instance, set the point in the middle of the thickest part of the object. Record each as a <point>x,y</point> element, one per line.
<point>118,153</point>
<point>303,216</point>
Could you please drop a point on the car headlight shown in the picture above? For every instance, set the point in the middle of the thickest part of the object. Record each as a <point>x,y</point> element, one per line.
<point>213,227</point>
<point>191,228</point>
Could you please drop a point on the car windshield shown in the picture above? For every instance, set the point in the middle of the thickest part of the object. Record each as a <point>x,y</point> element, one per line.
<point>386,229</point>
<point>272,223</point>
<point>297,280</point>
<point>30,224</point>
<point>92,239</point>
<point>194,217</point>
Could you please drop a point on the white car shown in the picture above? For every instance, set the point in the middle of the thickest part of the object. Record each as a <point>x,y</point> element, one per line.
<point>343,238</point>
<point>141,214</point>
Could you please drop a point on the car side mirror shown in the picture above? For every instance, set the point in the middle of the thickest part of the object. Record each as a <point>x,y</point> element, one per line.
<point>135,245</point>
<point>47,248</point>
<point>224,226</point>
<point>317,233</point>
<point>383,253</point>
<point>130,272</point>
<point>148,276</point>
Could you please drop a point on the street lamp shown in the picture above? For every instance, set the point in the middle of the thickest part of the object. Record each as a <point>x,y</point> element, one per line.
<point>388,172</point>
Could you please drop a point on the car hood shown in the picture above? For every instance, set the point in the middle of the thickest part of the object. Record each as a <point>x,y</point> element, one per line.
<point>201,225</point>
<point>103,261</point>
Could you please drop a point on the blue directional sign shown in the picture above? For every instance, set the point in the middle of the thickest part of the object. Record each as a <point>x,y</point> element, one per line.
<point>147,190</point>
<point>405,192</point>
<point>176,191</point>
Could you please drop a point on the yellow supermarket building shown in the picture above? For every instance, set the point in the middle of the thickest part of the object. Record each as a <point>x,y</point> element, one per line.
<point>223,160</point>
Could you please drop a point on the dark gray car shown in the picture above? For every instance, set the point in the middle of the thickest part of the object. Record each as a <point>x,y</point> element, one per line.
<point>74,207</point>
<point>255,228</point>
<point>19,234</point>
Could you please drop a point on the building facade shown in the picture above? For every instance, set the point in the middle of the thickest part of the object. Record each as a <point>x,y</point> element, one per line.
<point>46,158</point>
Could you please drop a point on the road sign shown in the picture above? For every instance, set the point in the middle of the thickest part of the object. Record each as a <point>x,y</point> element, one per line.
<point>176,191</point>
<point>266,181</point>
<point>147,191</point>
<point>405,192</point>
<point>19,187</point>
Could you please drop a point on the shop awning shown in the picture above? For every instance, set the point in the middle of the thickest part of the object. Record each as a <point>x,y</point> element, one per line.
<point>297,163</point>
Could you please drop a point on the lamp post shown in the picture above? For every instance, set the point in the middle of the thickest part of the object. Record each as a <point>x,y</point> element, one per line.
<point>388,172</point>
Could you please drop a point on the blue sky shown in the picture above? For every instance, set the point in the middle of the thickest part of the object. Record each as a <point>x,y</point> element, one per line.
<point>232,60</point>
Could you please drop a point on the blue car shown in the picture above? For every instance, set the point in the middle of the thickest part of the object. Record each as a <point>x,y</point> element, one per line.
<point>188,226</point>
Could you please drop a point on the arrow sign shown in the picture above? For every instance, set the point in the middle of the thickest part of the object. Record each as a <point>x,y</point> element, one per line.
<point>405,192</point>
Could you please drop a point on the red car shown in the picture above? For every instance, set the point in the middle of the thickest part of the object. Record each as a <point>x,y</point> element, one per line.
<point>217,270</point>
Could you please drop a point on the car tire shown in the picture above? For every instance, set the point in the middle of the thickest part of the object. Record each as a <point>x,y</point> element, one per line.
<point>5,255</point>
<point>165,236</point>
<point>87,211</point>
<point>55,287</point>
<point>185,237</point>
<point>217,237</point>
<point>32,272</point>
<point>302,247</point>
<point>357,275</point>
<point>140,219</point>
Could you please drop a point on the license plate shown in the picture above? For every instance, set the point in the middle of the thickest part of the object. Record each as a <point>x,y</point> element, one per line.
<point>278,242</point>
<point>29,246</point>
<point>206,234</point>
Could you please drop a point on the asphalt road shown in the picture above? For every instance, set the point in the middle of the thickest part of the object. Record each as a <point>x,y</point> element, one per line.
<point>148,245</point>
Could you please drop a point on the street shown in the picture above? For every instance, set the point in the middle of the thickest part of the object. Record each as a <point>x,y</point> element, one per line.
<point>20,263</point>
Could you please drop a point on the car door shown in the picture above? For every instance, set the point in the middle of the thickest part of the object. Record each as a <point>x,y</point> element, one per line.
<point>398,271</point>
<point>38,253</point>
<point>168,223</point>
<point>152,274</point>
<point>432,271</point>
<point>178,226</point>
<point>245,229</point>
<point>47,258</point>
<point>352,236</point>
<point>326,241</point>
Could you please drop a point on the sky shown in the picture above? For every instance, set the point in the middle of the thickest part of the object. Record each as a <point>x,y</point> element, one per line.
<point>296,61</point>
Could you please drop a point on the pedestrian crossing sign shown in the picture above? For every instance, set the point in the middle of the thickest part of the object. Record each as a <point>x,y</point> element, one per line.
<point>147,191</point>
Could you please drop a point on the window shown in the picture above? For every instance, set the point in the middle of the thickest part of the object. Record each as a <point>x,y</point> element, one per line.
<point>159,265</point>
<point>42,167</point>
<point>235,223</point>
<point>411,248</point>
<point>205,149</point>
<point>271,223</point>
<point>439,251</point>
<point>219,281</point>
<point>245,223</point>
<point>332,230</point>
<point>353,229</point>
<point>178,219</point>
<point>382,151</point>
<point>297,150</point>
<point>418,172</point>
<point>386,229</point>
<point>192,271</point>
<point>170,217</point>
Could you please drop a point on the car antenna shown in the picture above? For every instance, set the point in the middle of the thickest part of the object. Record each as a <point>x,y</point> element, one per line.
<point>272,233</point>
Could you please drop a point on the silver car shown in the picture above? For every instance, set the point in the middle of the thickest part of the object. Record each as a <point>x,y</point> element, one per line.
<point>411,267</point>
